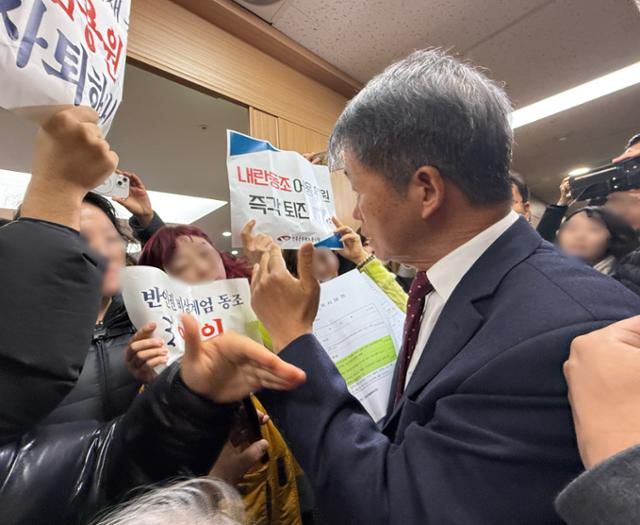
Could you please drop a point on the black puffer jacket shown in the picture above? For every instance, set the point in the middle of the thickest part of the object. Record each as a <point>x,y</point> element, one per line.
<point>105,388</point>
<point>65,473</point>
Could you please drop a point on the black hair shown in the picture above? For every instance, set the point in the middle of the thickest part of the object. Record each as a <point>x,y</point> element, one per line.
<point>105,206</point>
<point>622,237</point>
<point>100,202</point>
<point>519,183</point>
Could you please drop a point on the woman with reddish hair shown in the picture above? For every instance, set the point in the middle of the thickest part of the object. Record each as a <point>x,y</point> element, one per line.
<point>187,253</point>
<point>269,487</point>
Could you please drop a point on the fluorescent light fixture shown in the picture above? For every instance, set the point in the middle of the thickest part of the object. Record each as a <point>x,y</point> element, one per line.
<point>227,234</point>
<point>578,171</point>
<point>172,207</point>
<point>596,88</point>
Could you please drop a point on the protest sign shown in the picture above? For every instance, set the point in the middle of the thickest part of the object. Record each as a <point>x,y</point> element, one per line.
<point>361,330</point>
<point>150,295</point>
<point>62,52</point>
<point>290,198</point>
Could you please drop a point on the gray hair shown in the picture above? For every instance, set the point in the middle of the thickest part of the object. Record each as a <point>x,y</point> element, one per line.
<point>198,501</point>
<point>430,109</point>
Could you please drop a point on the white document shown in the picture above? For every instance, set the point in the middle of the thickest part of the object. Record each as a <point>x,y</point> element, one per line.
<point>290,198</point>
<point>63,52</point>
<point>150,295</point>
<point>361,331</point>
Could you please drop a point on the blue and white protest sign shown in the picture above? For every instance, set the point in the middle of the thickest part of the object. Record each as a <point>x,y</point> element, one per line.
<point>61,52</point>
<point>150,295</point>
<point>290,198</point>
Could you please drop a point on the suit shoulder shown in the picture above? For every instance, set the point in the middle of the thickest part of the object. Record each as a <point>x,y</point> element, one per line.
<point>600,295</point>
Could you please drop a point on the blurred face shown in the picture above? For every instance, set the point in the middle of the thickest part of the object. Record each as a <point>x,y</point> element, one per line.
<point>325,265</point>
<point>626,204</point>
<point>584,237</point>
<point>518,205</point>
<point>196,261</point>
<point>388,219</point>
<point>102,236</point>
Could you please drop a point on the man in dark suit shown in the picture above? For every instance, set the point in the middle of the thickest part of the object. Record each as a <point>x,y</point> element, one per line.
<point>479,428</point>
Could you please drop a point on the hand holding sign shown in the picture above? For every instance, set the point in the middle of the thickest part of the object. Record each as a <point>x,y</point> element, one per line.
<point>145,352</point>
<point>254,246</point>
<point>353,249</point>
<point>229,367</point>
<point>71,157</point>
<point>286,306</point>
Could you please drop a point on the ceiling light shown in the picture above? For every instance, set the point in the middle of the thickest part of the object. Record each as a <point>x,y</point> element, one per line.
<point>172,207</point>
<point>234,252</point>
<point>578,171</point>
<point>599,87</point>
<point>227,234</point>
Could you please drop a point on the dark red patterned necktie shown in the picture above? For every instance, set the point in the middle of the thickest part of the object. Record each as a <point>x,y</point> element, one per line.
<point>420,288</point>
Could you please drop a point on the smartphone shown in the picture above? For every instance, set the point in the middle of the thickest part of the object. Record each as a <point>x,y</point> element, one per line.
<point>116,185</point>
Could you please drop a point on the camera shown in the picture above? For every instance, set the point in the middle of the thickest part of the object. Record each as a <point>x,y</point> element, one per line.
<point>602,181</point>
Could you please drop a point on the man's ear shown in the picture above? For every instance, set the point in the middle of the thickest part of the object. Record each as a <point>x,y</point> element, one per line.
<point>429,187</point>
<point>527,211</point>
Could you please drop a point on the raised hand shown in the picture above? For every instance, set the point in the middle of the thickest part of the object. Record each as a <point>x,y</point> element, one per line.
<point>353,249</point>
<point>254,246</point>
<point>286,306</point>
<point>71,157</point>
<point>602,373</point>
<point>229,367</point>
<point>138,202</point>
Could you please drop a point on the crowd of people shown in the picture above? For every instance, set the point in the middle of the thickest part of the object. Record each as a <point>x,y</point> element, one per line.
<point>514,393</point>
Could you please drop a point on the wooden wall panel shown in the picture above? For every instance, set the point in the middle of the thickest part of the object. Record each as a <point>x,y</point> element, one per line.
<point>263,126</point>
<point>167,37</point>
<point>303,140</point>
<point>300,138</point>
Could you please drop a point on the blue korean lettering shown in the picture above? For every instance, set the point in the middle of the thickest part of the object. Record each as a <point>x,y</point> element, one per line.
<point>5,7</point>
<point>31,37</point>
<point>73,64</point>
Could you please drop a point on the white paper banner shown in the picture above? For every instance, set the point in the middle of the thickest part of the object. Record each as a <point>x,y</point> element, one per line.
<point>290,198</point>
<point>62,52</point>
<point>361,330</point>
<point>150,295</point>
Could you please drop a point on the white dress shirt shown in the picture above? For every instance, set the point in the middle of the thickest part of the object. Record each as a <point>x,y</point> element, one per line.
<point>446,274</point>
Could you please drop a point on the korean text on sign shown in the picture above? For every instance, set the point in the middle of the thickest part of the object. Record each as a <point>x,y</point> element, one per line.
<point>61,52</point>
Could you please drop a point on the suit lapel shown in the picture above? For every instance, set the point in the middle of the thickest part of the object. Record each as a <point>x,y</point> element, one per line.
<point>460,319</point>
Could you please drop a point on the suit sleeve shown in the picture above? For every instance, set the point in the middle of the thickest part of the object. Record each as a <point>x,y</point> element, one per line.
<point>484,455</point>
<point>71,471</point>
<point>606,495</point>
<point>49,298</point>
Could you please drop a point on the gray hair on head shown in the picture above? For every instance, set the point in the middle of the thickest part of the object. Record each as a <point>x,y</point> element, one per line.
<point>198,501</point>
<point>431,109</point>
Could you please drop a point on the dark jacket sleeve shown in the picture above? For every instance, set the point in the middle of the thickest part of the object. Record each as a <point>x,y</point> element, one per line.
<point>67,473</point>
<point>606,495</point>
<point>551,221</point>
<point>142,233</point>
<point>450,462</point>
<point>49,298</point>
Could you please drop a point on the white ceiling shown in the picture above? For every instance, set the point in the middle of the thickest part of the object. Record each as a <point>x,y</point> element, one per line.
<point>536,47</point>
<point>158,134</point>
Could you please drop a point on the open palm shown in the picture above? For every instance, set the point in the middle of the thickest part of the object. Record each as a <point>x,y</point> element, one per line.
<point>229,367</point>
